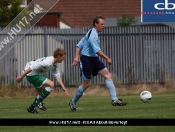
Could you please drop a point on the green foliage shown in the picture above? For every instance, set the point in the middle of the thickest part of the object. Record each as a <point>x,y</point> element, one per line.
<point>126,20</point>
<point>9,9</point>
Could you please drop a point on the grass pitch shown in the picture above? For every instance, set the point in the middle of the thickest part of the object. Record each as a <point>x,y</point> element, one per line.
<point>161,106</point>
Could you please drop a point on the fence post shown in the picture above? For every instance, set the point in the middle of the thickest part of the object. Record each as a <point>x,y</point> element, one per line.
<point>45,46</point>
<point>45,41</point>
<point>140,57</point>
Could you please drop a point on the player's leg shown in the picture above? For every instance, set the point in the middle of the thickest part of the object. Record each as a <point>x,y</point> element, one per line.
<point>86,71</point>
<point>43,92</point>
<point>85,84</point>
<point>110,85</point>
<point>39,82</point>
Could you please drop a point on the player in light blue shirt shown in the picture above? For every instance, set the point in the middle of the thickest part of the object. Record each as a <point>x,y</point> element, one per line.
<point>89,48</point>
<point>89,45</point>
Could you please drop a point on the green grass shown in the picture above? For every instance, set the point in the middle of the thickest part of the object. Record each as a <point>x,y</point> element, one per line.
<point>161,106</point>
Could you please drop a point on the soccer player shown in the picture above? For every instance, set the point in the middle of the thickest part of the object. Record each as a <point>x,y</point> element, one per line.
<point>43,85</point>
<point>90,64</point>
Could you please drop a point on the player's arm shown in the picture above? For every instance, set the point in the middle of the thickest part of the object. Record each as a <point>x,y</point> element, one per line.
<point>62,85</point>
<point>77,55</point>
<point>34,65</point>
<point>78,51</point>
<point>100,53</point>
<point>57,75</point>
<point>19,79</point>
<point>93,39</point>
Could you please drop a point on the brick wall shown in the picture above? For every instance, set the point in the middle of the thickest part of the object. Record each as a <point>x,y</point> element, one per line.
<point>51,19</point>
<point>80,13</point>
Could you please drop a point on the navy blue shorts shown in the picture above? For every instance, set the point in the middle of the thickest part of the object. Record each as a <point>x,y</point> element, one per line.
<point>90,66</point>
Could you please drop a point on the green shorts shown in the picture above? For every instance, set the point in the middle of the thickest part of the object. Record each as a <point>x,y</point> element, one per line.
<point>36,80</point>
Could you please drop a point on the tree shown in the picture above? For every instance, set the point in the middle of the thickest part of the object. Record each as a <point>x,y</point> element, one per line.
<point>126,20</point>
<point>9,9</point>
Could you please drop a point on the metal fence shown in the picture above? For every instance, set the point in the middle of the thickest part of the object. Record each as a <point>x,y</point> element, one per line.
<point>139,53</point>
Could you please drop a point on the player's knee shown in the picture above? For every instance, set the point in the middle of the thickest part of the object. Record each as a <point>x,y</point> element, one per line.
<point>52,85</point>
<point>86,84</point>
<point>109,76</point>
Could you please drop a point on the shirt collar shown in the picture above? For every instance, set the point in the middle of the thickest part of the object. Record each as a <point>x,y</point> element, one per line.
<point>95,30</point>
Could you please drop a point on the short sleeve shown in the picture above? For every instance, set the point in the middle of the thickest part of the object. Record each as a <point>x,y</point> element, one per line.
<point>80,44</point>
<point>94,42</point>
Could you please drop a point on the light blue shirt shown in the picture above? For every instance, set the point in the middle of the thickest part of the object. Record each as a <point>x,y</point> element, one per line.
<point>90,46</point>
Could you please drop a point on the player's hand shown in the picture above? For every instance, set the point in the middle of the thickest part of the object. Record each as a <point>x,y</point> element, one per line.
<point>109,61</point>
<point>19,79</point>
<point>75,62</point>
<point>65,91</point>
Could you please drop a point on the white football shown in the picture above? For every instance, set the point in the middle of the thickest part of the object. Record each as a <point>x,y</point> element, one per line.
<point>145,96</point>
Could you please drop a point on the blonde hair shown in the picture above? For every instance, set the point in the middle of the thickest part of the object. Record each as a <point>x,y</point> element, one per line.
<point>59,52</point>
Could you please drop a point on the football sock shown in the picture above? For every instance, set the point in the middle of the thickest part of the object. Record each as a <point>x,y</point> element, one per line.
<point>32,106</point>
<point>78,94</point>
<point>41,97</point>
<point>44,94</point>
<point>110,85</point>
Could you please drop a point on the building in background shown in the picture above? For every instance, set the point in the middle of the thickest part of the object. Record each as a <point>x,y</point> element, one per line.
<point>76,13</point>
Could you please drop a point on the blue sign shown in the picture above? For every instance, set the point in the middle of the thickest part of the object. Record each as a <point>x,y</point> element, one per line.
<point>157,10</point>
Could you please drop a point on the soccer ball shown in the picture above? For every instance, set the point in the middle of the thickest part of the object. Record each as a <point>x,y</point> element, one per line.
<point>145,96</point>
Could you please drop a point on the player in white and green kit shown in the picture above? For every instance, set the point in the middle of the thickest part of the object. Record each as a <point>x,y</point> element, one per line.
<point>43,85</point>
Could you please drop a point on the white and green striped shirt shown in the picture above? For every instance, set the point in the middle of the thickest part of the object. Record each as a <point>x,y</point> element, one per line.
<point>43,65</point>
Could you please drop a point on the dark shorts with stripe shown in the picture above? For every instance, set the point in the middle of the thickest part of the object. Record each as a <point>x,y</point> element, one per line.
<point>90,66</point>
